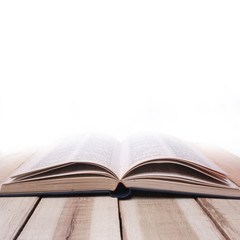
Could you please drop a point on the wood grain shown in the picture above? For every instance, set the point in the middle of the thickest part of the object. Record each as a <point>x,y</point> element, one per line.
<point>13,214</point>
<point>225,213</point>
<point>74,218</point>
<point>166,218</point>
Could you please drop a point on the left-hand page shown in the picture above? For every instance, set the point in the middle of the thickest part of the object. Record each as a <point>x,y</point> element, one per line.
<point>96,148</point>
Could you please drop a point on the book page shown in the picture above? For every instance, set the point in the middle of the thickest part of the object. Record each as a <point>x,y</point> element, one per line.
<point>93,148</point>
<point>150,146</point>
<point>229,162</point>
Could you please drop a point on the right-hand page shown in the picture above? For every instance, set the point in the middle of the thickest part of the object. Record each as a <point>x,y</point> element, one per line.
<point>229,162</point>
<point>150,146</point>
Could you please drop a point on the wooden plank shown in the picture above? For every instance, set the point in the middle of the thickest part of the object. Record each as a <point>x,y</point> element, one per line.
<point>74,218</point>
<point>13,214</point>
<point>165,218</point>
<point>225,213</point>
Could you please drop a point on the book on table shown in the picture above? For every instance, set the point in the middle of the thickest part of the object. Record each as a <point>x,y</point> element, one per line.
<point>95,163</point>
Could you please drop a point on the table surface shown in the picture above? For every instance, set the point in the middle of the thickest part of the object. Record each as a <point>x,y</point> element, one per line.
<point>102,217</point>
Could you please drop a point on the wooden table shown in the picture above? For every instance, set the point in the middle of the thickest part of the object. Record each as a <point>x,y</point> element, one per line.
<point>103,217</point>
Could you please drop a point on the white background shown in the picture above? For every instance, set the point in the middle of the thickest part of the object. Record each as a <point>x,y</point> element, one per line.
<point>119,67</point>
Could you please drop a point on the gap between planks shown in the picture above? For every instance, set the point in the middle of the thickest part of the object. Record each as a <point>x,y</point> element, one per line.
<point>27,218</point>
<point>15,213</point>
<point>120,219</point>
<point>225,214</point>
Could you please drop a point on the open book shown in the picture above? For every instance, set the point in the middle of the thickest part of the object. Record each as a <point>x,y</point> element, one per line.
<point>98,163</point>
